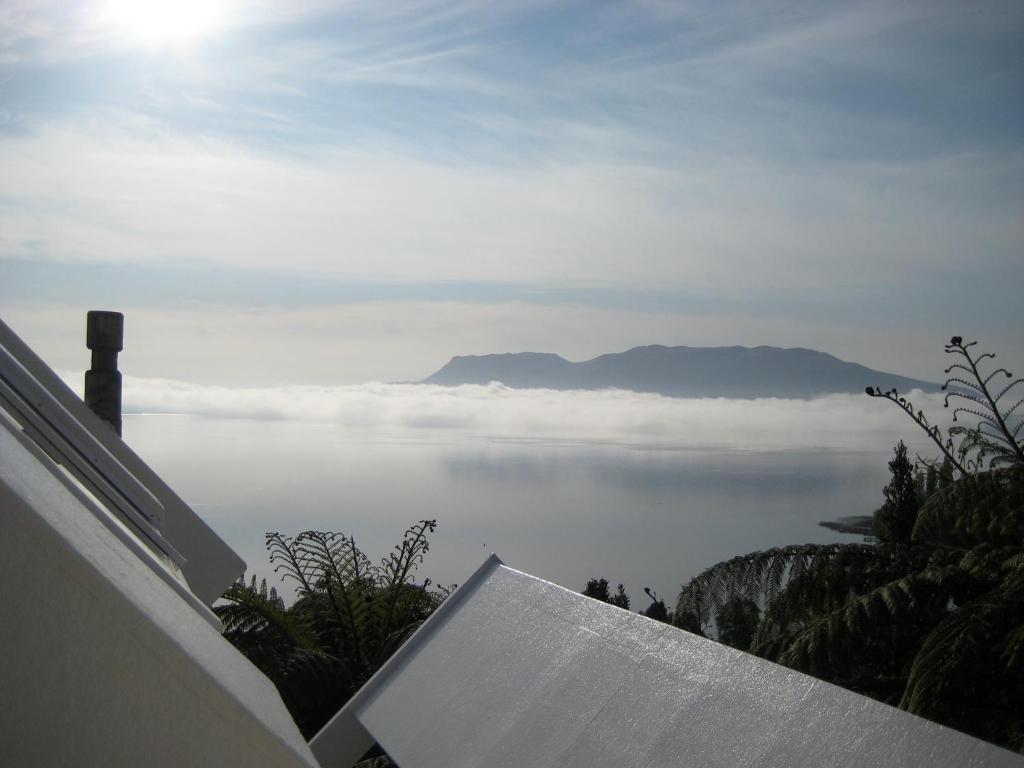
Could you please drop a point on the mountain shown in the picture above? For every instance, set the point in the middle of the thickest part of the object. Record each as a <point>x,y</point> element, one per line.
<point>738,372</point>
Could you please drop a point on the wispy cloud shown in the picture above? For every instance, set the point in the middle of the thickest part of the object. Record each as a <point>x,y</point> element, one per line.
<point>783,79</point>
<point>138,196</point>
<point>806,164</point>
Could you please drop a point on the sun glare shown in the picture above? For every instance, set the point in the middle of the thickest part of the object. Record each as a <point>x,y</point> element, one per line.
<point>163,22</point>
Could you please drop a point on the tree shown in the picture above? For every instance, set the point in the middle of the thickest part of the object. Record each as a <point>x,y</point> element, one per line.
<point>931,617</point>
<point>349,617</point>
<point>598,590</point>
<point>894,522</point>
<point>657,609</point>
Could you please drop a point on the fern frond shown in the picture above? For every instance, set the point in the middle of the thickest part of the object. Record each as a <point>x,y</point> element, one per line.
<point>919,418</point>
<point>829,641</point>
<point>967,635</point>
<point>758,576</point>
<point>987,507</point>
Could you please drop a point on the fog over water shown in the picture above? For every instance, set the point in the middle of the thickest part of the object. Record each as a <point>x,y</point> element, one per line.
<point>635,488</point>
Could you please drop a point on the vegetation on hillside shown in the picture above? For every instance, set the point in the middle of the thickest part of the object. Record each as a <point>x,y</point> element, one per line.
<point>930,617</point>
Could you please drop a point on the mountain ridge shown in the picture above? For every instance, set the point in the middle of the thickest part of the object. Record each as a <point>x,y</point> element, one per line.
<point>679,371</point>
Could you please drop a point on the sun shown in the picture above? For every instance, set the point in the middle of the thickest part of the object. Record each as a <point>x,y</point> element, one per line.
<point>163,22</point>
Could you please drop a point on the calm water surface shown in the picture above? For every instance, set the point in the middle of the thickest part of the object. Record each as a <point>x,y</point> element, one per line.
<point>565,511</point>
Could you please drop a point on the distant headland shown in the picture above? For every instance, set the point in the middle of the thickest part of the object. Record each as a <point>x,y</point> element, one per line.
<point>734,372</point>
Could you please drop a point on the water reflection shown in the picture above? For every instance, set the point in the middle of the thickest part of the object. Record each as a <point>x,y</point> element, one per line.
<point>565,511</point>
<point>678,468</point>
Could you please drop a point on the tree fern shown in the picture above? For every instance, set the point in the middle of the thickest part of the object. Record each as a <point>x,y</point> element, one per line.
<point>931,616</point>
<point>760,576</point>
<point>993,398</point>
<point>969,668</point>
<point>979,506</point>
<point>348,617</point>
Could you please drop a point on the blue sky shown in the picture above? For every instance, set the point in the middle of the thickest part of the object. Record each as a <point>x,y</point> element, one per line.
<point>368,188</point>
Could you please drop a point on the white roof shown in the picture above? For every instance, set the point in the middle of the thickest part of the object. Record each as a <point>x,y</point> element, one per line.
<point>110,655</point>
<point>513,671</point>
<point>34,397</point>
<point>106,662</point>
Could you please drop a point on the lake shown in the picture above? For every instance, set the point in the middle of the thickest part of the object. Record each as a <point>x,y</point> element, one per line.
<point>647,511</point>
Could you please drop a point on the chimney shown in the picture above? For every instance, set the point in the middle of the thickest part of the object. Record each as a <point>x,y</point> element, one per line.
<point>104,335</point>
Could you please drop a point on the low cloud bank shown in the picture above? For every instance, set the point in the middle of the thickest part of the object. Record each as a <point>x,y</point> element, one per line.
<point>494,410</point>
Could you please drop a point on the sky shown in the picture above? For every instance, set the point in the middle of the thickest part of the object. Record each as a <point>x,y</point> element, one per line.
<point>329,193</point>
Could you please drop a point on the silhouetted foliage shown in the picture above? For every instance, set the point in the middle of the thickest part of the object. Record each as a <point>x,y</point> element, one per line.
<point>737,622</point>
<point>929,618</point>
<point>598,589</point>
<point>689,621</point>
<point>994,441</point>
<point>657,609</point>
<point>894,522</point>
<point>349,617</point>
<point>620,598</point>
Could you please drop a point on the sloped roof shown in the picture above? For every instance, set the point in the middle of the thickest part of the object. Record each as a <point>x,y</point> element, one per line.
<point>513,671</point>
<point>36,398</point>
<point>110,655</point>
